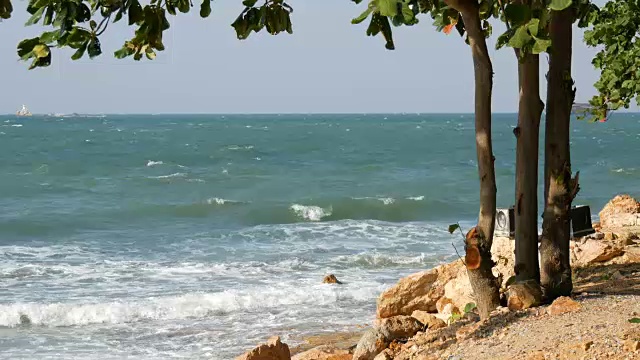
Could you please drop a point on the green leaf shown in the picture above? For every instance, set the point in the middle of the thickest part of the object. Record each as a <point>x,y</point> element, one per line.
<point>634,320</point>
<point>249,3</point>
<point>453,228</point>
<point>41,50</point>
<point>362,16</point>
<point>205,8</point>
<point>469,308</point>
<point>510,281</point>
<point>533,26</point>
<point>558,5</point>
<point>80,52</point>
<point>122,53</point>
<point>540,46</point>
<point>135,13</point>
<point>388,7</point>
<point>517,14</point>
<point>520,38</point>
<point>94,48</point>
<point>49,36</point>
<point>25,48</point>
<point>35,17</point>
<point>48,16</point>
<point>5,9</point>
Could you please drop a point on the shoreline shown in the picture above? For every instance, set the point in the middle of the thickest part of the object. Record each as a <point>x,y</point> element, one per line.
<point>605,299</point>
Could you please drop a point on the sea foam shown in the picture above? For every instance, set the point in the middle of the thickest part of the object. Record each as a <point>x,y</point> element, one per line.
<point>310,212</point>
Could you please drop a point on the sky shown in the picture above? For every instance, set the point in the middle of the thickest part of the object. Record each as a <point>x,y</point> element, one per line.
<point>328,65</point>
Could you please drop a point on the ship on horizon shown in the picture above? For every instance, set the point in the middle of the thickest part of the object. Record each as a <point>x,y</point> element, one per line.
<point>24,111</point>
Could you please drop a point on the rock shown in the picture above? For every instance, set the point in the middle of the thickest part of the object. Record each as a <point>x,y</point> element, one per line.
<point>419,291</point>
<point>536,355</point>
<point>331,279</point>
<point>385,355</point>
<point>609,236</point>
<point>324,352</point>
<point>429,320</point>
<point>594,251</point>
<point>371,344</point>
<point>459,291</point>
<point>523,295</point>
<point>442,303</point>
<point>586,345</point>
<point>631,345</point>
<point>399,327</point>
<point>622,210</point>
<point>563,305</point>
<point>503,254</point>
<point>466,331</point>
<point>617,275</point>
<point>274,349</point>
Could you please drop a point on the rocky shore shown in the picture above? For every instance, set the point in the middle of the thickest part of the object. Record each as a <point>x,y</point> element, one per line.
<point>431,314</point>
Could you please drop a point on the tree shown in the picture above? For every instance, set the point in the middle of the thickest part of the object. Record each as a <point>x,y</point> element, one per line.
<point>532,28</point>
<point>470,17</point>
<point>560,188</point>
<point>615,31</point>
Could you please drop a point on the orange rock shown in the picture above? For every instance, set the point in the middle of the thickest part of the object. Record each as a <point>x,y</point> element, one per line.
<point>430,320</point>
<point>621,211</point>
<point>632,345</point>
<point>563,305</point>
<point>523,295</point>
<point>331,279</point>
<point>274,349</point>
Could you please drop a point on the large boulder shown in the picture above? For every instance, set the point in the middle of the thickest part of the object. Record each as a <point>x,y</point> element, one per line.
<point>590,251</point>
<point>419,291</point>
<point>429,320</point>
<point>274,349</point>
<point>621,211</point>
<point>372,343</point>
<point>399,327</point>
<point>423,290</point>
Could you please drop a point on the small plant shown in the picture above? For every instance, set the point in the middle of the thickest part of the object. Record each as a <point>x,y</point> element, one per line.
<point>469,308</point>
<point>634,320</point>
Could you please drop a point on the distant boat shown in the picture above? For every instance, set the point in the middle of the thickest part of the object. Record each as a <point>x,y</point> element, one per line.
<point>24,111</point>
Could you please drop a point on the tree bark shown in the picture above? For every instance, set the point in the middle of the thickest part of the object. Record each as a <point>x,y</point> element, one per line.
<point>530,109</point>
<point>484,283</point>
<point>559,189</point>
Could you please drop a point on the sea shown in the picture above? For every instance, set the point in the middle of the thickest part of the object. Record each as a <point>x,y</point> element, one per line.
<point>200,236</point>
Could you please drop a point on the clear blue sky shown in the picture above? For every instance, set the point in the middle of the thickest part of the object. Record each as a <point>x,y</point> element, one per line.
<point>327,65</point>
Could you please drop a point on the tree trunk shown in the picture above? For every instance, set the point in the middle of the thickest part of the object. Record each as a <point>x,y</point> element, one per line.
<point>484,283</point>
<point>559,190</point>
<point>526,203</point>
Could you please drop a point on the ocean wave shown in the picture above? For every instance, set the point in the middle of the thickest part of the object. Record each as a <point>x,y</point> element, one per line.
<point>154,163</point>
<point>310,212</point>
<point>416,198</point>
<point>379,260</point>
<point>186,306</point>
<point>219,201</point>
<point>239,147</point>
<point>174,175</point>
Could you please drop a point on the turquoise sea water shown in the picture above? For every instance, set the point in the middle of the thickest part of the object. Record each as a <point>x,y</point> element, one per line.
<point>198,236</point>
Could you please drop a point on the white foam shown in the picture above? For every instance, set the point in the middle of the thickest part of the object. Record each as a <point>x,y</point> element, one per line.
<point>174,175</point>
<point>16,125</point>
<point>387,200</point>
<point>416,198</point>
<point>311,212</point>
<point>219,201</point>
<point>239,147</point>
<point>190,305</point>
<point>154,163</point>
